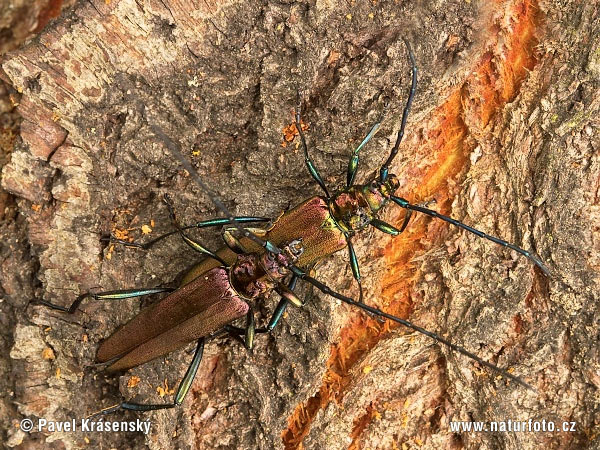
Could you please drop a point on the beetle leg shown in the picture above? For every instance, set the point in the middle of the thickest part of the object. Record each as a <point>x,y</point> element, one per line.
<point>217,222</point>
<point>353,163</point>
<point>194,244</point>
<point>250,329</point>
<point>355,268</point>
<point>108,295</point>
<point>307,159</point>
<point>275,317</point>
<point>182,390</point>
<point>280,309</point>
<point>233,242</point>
<point>356,274</point>
<point>390,229</point>
<point>235,333</point>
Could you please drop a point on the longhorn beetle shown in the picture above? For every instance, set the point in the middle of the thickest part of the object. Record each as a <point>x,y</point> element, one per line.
<point>255,262</point>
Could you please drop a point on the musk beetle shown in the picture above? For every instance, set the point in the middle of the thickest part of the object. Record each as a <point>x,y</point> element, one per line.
<point>222,287</point>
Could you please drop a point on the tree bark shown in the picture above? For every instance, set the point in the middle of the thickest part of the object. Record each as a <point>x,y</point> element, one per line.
<point>502,135</point>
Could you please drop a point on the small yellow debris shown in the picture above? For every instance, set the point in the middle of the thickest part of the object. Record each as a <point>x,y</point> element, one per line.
<point>371,15</point>
<point>166,390</point>
<point>404,420</point>
<point>58,372</point>
<point>133,381</point>
<point>48,353</point>
<point>152,223</point>
<point>290,132</point>
<point>333,57</point>
<point>452,41</point>
<point>367,369</point>
<point>196,153</point>
<point>87,441</point>
<point>406,403</point>
<point>193,82</point>
<point>349,16</point>
<point>36,207</point>
<point>121,234</point>
<point>376,415</point>
<point>146,229</point>
<point>418,441</point>
<point>47,329</point>
<point>84,338</point>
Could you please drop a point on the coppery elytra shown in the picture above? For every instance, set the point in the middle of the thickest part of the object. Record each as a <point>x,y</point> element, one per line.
<point>255,262</point>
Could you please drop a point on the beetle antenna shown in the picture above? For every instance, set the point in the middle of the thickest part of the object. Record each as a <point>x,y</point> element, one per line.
<point>326,290</point>
<point>430,212</point>
<point>174,149</point>
<point>383,172</point>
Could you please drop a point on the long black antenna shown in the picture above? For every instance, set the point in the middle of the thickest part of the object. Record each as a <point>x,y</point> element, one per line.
<point>384,170</point>
<point>174,149</point>
<point>430,212</point>
<point>270,247</point>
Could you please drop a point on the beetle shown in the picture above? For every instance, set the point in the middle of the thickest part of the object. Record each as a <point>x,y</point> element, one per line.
<point>329,222</point>
<point>219,290</point>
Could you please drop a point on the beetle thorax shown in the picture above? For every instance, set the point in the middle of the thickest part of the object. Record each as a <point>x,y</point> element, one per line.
<point>248,277</point>
<point>254,274</point>
<point>276,265</point>
<point>354,208</point>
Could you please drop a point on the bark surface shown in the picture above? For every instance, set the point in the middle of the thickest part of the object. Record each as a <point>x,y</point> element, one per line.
<point>503,135</point>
